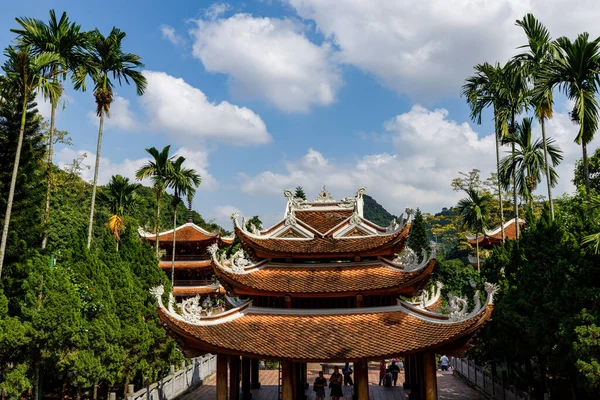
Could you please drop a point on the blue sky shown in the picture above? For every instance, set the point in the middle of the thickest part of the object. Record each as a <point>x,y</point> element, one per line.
<point>266,95</point>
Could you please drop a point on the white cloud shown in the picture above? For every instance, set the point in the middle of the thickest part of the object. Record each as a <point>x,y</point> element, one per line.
<point>44,107</point>
<point>270,58</point>
<point>169,33</point>
<point>185,114</point>
<point>216,10</point>
<point>426,49</point>
<point>428,152</point>
<point>197,160</point>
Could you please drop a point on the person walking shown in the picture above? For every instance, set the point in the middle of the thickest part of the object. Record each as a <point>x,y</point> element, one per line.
<point>347,372</point>
<point>335,383</point>
<point>319,386</point>
<point>395,370</point>
<point>382,368</point>
<point>444,363</point>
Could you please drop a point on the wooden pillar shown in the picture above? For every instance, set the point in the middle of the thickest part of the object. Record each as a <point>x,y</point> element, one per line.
<point>246,394</point>
<point>288,302</point>
<point>255,382</point>
<point>361,380</point>
<point>429,369</point>
<point>359,300</point>
<point>221,377</point>
<point>287,389</point>
<point>234,377</point>
<point>417,383</point>
<point>407,372</point>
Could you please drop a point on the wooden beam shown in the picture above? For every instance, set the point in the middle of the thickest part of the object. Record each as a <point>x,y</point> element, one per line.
<point>221,377</point>
<point>430,376</point>
<point>246,394</point>
<point>287,385</point>
<point>255,382</point>
<point>361,380</point>
<point>234,377</point>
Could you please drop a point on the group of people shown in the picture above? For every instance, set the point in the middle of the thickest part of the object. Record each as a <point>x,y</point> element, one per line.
<point>336,381</point>
<point>388,375</point>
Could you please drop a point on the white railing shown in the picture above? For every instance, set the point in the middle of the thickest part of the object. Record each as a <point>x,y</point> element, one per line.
<point>493,387</point>
<point>178,382</point>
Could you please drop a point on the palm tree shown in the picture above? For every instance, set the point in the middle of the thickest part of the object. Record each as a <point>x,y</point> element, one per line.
<point>24,73</point>
<point>184,182</point>
<point>482,90</point>
<point>122,197</point>
<point>574,71</point>
<point>516,96</point>
<point>528,161</point>
<point>539,52</point>
<point>158,170</point>
<point>107,59</point>
<point>65,39</point>
<point>474,211</point>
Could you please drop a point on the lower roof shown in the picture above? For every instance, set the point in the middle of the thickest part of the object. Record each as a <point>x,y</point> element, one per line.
<point>324,335</point>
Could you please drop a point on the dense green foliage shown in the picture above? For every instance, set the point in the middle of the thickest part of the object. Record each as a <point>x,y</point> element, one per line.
<point>417,239</point>
<point>594,170</point>
<point>299,193</point>
<point>547,315</point>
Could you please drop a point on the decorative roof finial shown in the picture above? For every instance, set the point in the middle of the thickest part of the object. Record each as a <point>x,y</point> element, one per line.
<point>409,214</point>
<point>324,196</point>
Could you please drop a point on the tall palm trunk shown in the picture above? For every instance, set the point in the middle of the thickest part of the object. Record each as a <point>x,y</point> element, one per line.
<point>498,178</point>
<point>586,170</point>
<point>158,198</point>
<point>515,197</point>
<point>174,240</point>
<point>542,123</point>
<point>477,244</point>
<point>49,170</point>
<point>94,185</point>
<point>13,183</point>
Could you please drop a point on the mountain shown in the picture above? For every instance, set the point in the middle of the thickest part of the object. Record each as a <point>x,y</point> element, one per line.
<point>374,212</point>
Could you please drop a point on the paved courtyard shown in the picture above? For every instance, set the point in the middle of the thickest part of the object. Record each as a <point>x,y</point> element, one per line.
<point>449,387</point>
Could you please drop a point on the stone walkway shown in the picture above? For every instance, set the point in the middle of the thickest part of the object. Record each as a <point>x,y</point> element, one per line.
<point>449,388</point>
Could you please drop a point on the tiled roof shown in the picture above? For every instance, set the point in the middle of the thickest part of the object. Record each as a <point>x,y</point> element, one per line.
<point>185,264</point>
<point>281,279</point>
<point>317,245</point>
<point>328,337</point>
<point>323,220</point>
<point>194,290</point>
<point>495,236</point>
<point>185,233</point>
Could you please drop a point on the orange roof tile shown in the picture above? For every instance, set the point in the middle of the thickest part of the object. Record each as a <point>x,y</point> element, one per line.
<point>185,264</point>
<point>185,233</point>
<point>311,280</point>
<point>323,220</point>
<point>348,336</point>
<point>195,290</point>
<point>368,244</point>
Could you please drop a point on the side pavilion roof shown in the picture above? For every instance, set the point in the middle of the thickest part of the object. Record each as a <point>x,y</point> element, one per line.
<point>188,232</point>
<point>316,335</point>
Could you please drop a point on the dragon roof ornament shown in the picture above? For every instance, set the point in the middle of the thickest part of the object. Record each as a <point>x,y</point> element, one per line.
<point>409,259</point>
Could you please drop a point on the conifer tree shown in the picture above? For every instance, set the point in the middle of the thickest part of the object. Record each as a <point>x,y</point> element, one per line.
<point>417,239</point>
<point>299,194</point>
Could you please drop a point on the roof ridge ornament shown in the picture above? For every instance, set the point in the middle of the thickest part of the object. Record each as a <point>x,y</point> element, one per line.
<point>409,214</point>
<point>290,218</point>
<point>324,196</point>
<point>409,259</point>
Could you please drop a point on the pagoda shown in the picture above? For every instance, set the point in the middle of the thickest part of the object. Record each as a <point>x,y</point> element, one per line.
<point>193,274</point>
<point>324,284</point>
<point>492,238</point>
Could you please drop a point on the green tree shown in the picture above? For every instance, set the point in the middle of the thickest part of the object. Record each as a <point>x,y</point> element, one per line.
<point>417,239</point>
<point>574,71</point>
<point>28,194</point>
<point>593,171</point>
<point>474,213</point>
<point>299,194</point>
<point>183,181</point>
<point>539,53</point>
<point>25,73</point>
<point>66,40</point>
<point>528,161</point>
<point>158,170</point>
<point>106,59</point>
<point>122,198</point>
<point>483,90</point>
